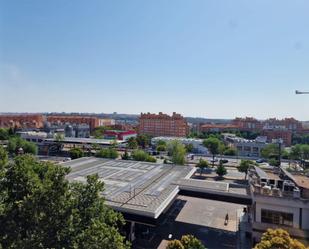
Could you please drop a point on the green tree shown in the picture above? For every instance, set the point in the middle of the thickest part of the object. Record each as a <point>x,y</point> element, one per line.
<point>132,143</point>
<point>76,153</point>
<point>3,158</point>
<point>221,170</point>
<point>125,156</point>
<point>143,140</point>
<point>177,151</point>
<point>107,153</point>
<point>140,155</point>
<point>189,148</point>
<point>278,239</point>
<point>230,151</point>
<point>175,244</point>
<point>270,151</point>
<point>191,242</point>
<point>213,145</point>
<point>4,134</point>
<point>244,166</point>
<point>41,209</point>
<point>59,137</point>
<point>161,147</point>
<point>202,164</point>
<point>186,242</point>
<point>16,142</point>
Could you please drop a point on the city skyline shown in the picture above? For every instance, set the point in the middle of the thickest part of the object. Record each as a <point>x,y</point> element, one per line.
<point>200,59</point>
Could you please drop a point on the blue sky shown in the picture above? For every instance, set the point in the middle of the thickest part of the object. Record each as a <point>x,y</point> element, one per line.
<point>207,58</point>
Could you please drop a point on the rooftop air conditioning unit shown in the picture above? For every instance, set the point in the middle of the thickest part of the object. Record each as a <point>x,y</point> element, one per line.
<point>275,192</point>
<point>296,193</point>
<point>266,190</point>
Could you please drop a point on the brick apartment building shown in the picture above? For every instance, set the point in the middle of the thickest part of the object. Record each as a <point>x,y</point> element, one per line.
<point>217,127</point>
<point>93,122</point>
<point>287,123</point>
<point>22,121</point>
<point>284,134</point>
<point>248,124</point>
<point>163,125</point>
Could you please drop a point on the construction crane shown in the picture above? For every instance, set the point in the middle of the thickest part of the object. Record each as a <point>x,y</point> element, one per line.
<point>299,92</point>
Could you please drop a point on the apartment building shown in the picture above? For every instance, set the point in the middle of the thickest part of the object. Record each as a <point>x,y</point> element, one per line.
<point>163,125</point>
<point>278,133</point>
<point>93,122</point>
<point>280,200</point>
<point>22,121</point>
<point>247,124</point>
<point>290,124</point>
<point>246,147</point>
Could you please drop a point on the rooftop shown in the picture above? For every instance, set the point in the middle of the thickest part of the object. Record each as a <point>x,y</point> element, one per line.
<point>134,187</point>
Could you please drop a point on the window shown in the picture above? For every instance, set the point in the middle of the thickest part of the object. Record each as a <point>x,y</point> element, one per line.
<point>274,217</point>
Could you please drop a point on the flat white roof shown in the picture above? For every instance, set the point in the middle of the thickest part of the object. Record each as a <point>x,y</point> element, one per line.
<point>133,187</point>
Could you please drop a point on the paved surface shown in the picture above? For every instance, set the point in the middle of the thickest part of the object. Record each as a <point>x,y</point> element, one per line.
<point>200,217</point>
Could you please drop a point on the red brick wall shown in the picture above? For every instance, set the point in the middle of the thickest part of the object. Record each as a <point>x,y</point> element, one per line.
<point>32,121</point>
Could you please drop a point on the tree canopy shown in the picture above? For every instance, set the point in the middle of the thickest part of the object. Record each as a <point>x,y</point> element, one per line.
<point>140,155</point>
<point>76,153</point>
<point>107,153</point>
<point>202,164</point>
<point>132,143</point>
<point>244,166</point>
<point>15,143</point>
<point>186,242</point>
<point>278,239</point>
<point>39,208</point>
<point>221,170</point>
<point>177,151</point>
<point>214,145</point>
<point>143,140</point>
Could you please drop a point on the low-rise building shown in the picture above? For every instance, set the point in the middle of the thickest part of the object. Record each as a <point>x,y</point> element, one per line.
<point>106,122</point>
<point>119,135</point>
<point>280,200</point>
<point>246,147</point>
<point>197,144</point>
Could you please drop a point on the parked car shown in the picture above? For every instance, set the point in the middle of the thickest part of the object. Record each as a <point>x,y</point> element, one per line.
<point>261,160</point>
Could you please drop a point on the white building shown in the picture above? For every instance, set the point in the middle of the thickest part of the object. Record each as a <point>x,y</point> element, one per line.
<point>280,200</point>
<point>246,147</point>
<point>196,143</point>
<point>33,136</point>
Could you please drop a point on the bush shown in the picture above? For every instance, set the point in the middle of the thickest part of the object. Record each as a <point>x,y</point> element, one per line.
<point>140,155</point>
<point>221,170</point>
<point>76,153</point>
<point>107,153</point>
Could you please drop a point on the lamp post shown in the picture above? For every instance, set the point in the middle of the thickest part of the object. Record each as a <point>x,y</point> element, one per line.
<point>299,92</point>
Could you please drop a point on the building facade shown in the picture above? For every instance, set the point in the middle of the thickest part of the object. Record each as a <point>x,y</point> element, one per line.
<point>163,125</point>
<point>248,124</point>
<point>119,135</point>
<point>93,122</point>
<point>280,200</point>
<point>278,133</point>
<point>22,121</point>
<point>246,147</point>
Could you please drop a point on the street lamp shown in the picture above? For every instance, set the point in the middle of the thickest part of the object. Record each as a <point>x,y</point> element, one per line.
<point>299,92</point>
